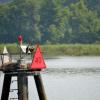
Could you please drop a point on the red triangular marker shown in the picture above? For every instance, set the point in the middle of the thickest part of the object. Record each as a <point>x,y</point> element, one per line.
<point>38,61</point>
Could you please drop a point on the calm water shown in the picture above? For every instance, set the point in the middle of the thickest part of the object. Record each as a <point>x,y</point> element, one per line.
<point>68,78</point>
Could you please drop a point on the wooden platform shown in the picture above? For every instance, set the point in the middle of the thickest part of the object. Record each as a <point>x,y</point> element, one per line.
<point>8,66</point>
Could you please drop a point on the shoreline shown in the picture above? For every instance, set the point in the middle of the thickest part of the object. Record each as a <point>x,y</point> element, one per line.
<point>60,49</point>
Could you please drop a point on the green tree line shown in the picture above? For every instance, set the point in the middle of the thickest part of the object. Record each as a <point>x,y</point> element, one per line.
<point>50,21</point>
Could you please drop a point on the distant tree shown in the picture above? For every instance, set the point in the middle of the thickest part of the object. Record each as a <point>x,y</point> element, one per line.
<point>50,21</point>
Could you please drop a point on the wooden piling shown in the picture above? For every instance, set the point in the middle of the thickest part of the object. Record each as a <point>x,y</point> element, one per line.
<point>22,87</point>
<point>6,87</point>
<point>40,87</point>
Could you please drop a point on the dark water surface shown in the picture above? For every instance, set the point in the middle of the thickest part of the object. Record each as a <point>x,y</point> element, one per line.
<point>67,78</point>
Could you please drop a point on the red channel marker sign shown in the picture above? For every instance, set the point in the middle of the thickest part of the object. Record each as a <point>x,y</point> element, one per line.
<point>38,61</point>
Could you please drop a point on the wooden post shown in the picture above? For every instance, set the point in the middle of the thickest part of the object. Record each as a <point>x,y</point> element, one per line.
<point>2,58</point>
<point>40,87</point>
<point>22,87</point>
<point>6,87</point>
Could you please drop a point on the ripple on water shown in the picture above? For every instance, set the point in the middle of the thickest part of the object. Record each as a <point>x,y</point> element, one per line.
<point>71,71</point>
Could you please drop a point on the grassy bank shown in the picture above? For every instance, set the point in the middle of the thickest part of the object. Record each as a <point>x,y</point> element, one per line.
<point>12,48</point>
<point>61,50</point>
<point>72,49</point>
